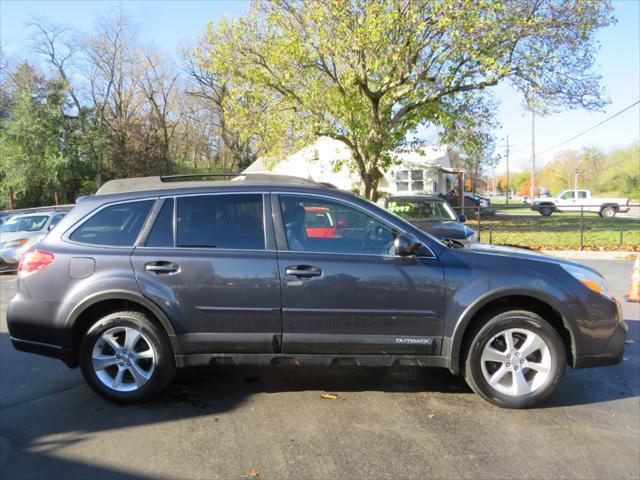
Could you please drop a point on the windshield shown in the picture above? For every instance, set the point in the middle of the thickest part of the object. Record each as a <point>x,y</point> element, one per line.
<point>24,224</point>
<point>429,210</point>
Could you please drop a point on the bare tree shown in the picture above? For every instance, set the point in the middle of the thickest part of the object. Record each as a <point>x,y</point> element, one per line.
<point>233,152</point>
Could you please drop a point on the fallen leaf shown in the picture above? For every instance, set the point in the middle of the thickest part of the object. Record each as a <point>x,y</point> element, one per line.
<point>255,474</point>
<point>330,396</point>
<point>431,416</point>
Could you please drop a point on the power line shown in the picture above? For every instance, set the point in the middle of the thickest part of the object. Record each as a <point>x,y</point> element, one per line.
<point>527,145</point>
<point>591,128</point>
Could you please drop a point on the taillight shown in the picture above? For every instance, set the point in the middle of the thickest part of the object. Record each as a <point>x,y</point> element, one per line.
<point>33,260</point>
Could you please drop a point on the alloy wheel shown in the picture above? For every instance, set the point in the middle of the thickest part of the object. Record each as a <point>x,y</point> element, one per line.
<point>516,362</point>
<point>123,359</point>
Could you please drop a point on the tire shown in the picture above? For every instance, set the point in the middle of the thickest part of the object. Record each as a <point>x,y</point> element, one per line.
<point>487,345</point>
<point>608,212</point>
<point>546,211</point>
<point>147,366</point>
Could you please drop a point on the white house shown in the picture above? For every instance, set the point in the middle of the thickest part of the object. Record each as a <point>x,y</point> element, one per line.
<point>426,170</point>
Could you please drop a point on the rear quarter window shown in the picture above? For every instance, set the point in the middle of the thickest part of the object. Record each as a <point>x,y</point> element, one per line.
<point>116,225</point>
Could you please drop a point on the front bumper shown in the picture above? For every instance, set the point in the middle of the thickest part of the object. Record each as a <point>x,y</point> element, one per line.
<point>611,355</point>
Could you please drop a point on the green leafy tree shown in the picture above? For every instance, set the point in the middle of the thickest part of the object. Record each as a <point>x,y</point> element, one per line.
<point>39,153</point>
<point>369,73</point>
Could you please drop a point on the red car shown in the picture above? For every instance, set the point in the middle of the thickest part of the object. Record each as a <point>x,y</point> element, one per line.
<point>319,223</point>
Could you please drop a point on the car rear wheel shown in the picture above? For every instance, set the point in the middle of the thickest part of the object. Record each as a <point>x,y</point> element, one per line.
<point>126,358</point>
<point>546,211</point>
<point>515,360</point>
<point>608,212</point>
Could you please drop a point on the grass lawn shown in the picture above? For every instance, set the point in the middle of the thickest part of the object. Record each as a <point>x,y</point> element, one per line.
<point>559,231</point>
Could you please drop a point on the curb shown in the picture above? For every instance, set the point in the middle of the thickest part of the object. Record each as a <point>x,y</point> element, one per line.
<point>590,255</point>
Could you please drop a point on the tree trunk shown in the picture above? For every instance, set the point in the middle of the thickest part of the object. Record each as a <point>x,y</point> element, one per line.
<point>370,183</point>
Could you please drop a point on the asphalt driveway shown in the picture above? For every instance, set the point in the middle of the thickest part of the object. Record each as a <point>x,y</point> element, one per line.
<point>385,423</point>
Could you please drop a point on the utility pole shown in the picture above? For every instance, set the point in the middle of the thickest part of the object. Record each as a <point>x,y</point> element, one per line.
<point>508,186</point>
<point>575,180</point>
<point>533,154</point>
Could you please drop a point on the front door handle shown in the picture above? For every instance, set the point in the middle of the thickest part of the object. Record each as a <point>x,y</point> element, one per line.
<point>162,267</point>
<point>304,271</point>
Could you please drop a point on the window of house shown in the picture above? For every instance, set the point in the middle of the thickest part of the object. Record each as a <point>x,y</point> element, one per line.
<point>402,180</point>
<point>410,180</point>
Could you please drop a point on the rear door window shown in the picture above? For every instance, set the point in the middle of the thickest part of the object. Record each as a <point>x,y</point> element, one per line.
<point>231,221</point>
<point>116,225</point>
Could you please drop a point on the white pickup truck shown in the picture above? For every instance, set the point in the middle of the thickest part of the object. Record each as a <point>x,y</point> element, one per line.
<point>580,200</point>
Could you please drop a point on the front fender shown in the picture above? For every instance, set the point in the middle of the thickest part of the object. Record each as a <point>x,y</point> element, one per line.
<point>452,346</point>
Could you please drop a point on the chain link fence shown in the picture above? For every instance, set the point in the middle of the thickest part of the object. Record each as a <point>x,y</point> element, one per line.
<point>583,227</point>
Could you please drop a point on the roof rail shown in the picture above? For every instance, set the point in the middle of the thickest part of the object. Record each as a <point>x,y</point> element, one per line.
<point>125,185</point>
<point>178,177</point>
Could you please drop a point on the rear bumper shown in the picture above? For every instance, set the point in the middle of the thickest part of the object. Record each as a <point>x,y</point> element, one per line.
<point>611,355</point>
<point>46,349</point>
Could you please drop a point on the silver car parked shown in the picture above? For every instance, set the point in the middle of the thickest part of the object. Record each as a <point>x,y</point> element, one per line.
<point>20,232</point>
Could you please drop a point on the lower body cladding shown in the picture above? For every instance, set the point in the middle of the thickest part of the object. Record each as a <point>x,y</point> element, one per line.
<point>311,360</point>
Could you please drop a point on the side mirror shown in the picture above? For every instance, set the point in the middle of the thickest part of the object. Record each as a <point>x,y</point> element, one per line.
<point>406,245</point>
<point>462,218</point>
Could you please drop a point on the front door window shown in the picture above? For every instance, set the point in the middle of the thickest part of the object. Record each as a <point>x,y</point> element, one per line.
<point>325,226</point>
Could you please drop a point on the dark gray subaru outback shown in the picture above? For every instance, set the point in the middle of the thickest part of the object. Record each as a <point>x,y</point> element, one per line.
<point>151,274</point>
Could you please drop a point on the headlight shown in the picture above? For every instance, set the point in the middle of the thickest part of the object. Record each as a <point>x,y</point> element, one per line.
<point>15,243</point>
<point>589,279</point>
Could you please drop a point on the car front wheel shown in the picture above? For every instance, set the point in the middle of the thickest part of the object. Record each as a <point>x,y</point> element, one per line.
<point>126,358</point>
<point>515,360</point>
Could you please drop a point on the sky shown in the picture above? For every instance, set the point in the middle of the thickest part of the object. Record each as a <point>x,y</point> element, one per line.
<point>165,24</point>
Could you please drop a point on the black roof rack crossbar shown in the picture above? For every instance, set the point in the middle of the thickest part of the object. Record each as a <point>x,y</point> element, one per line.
<point>173,178</point>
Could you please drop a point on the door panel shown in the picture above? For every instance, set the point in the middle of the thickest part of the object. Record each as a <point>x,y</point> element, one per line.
<point>362,304</point>
<point>223,301</point>
<point>348,294</point>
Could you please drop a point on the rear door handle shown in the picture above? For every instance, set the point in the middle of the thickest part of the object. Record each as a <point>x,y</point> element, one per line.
<point>162,268</point>
<point>303,271</point>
